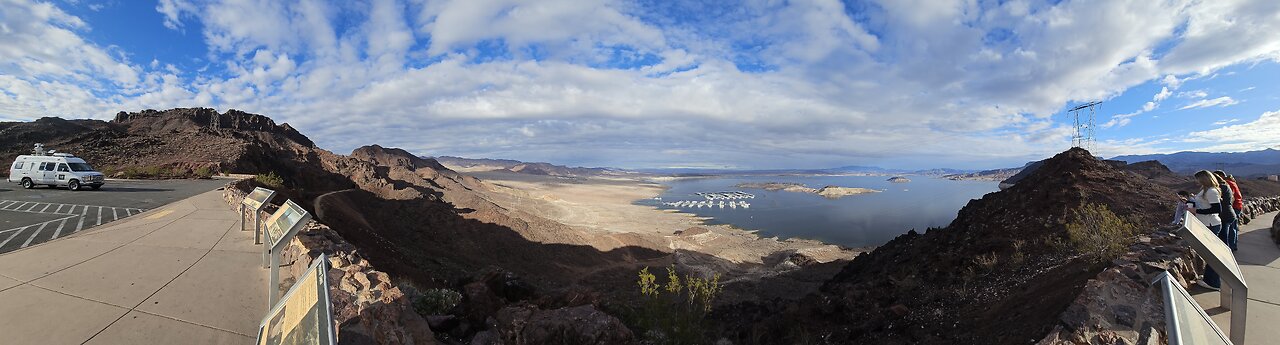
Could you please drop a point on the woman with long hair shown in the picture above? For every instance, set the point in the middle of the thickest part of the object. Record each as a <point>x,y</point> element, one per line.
<point>1208,207</point>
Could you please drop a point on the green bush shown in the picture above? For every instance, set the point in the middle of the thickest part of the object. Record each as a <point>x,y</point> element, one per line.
<point>673,313</point>
<point>436,301</point>
<point>1097,232</point>
<point>270,179</point>
<point>203,172</point>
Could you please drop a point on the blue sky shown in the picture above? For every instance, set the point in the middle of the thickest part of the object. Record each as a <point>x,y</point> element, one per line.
<point>646,84</point>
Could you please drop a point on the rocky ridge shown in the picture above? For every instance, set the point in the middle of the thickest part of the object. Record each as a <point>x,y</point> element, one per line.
<point>172,143</point>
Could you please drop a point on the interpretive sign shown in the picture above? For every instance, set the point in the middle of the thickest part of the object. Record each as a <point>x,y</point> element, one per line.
<point>303,315</point>
<point>280,229</point>
<point>1185,321</point>
<point>1234,292</point>
<point>285,222</point>
<point>254,201</point>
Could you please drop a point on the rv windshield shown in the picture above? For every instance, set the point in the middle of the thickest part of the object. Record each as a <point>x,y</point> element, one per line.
<point>80,167</point>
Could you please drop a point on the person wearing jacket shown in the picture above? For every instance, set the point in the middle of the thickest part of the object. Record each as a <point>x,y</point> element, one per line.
<point>1230,221</point>
<point>1208,211</point>
<point>1239,195</point>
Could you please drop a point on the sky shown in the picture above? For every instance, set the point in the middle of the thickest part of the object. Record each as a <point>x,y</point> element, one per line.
<point>754,84</point>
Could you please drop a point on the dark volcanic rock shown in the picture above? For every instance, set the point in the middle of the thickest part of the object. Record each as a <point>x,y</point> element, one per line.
<point>176,141</point>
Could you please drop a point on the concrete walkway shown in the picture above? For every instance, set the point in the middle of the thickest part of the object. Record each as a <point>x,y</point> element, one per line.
<point>1259,260</point>
<point>183,273</point>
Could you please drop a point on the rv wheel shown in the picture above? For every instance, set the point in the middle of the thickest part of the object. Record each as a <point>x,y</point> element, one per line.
<point>26,183</point>
<point>73,185</point>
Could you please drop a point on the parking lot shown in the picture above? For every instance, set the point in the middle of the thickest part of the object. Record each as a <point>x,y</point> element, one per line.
<point>33,216</point>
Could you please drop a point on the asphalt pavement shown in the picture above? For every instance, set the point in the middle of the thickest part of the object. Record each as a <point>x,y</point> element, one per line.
<point>33,216</point>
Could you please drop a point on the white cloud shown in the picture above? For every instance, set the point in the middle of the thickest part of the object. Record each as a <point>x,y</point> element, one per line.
<point>1193,94</point>
<point>1164,93</point>
<point>1256,135</point>
<point>803,80</point>
<point>1207,103</point>
<point>1223,122</point>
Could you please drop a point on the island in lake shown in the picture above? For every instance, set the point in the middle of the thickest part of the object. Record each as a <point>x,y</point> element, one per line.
<point>898,179</point>
<point>829,192</point>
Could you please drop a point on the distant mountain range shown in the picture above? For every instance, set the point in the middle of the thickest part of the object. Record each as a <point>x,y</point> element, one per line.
<point>548,169</point>
<point>1247,164</point>
<point>514,166</point>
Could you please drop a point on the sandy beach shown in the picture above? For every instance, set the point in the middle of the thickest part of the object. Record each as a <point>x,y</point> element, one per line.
<point>604,206</point>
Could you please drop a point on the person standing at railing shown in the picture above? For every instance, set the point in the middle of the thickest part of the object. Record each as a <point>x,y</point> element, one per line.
<point>1208,209</point>
<point>1239,204</point>
<point>1184,204</point>
<point>1230,223</point>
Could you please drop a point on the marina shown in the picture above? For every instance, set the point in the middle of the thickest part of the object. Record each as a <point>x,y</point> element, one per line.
<point>731,200</point>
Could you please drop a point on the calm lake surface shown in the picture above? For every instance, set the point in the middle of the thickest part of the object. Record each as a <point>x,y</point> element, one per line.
<point>855,221</point>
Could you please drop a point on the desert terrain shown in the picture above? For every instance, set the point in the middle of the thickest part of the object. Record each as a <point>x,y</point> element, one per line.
<point>606,205</point>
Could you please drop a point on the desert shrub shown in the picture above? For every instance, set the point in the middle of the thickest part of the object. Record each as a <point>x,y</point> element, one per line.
<point>203,172</point>
<point>270,179</point>
<point>436,301</point>
<point>673,313</point>
<point>987,261</point>
<point>1098,233</point>
<point>1018,256</point>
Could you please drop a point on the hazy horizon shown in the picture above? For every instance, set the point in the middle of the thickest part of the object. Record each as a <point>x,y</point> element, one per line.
<point>635,84</point>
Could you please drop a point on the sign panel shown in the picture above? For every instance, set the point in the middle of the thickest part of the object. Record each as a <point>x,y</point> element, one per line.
<point>1234,292</point>
<point>1186,322</point>
<point>284,222</point>
<point>258,197</point>
<point>303,315</point>
<point>1217,249</point>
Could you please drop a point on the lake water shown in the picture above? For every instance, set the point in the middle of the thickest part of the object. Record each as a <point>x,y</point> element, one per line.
<point>855,221</point>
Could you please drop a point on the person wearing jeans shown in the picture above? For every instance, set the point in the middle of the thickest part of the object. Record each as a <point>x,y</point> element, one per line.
<point>1237,205</point>
<point>1208,208</point>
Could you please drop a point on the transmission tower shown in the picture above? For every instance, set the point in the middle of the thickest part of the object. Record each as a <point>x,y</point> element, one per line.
<point>1083,136</point>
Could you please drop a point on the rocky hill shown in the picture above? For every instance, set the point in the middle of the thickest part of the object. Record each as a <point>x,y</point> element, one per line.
<point>172,143</point>
<point>1001,259</point>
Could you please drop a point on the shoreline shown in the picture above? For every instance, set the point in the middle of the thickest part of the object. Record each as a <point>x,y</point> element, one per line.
<point>608,207</point>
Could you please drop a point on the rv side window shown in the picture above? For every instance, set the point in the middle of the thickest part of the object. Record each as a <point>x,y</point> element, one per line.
<point>41,166</point>
<point>46,166</point>
<point>17,166</point>
<point>63,167</point>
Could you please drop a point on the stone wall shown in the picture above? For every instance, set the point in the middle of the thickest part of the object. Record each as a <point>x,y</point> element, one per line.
<point>1254,207</point>
<point>1120,306</point>
<point>368,307</point>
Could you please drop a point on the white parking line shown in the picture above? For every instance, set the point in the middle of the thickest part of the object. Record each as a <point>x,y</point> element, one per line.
<point>15,234</point>
<point>46,207</point>
<point>33,206</point>
<point>83,215</point>
<point>114,216</point>
<point>99,216</point>
<point>60,225</point>
<point>59,210</point>
<point>33,235</point>
<point>5,203</point>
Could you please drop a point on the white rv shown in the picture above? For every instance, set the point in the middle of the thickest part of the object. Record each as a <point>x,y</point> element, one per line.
<point>54,170</point>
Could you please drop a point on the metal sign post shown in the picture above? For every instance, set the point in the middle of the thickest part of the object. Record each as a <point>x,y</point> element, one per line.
<point>255,201</point>
<point>1234,293</point>
<point>1186,323</point>
<point>280,229</point>
<point>304,315</point>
